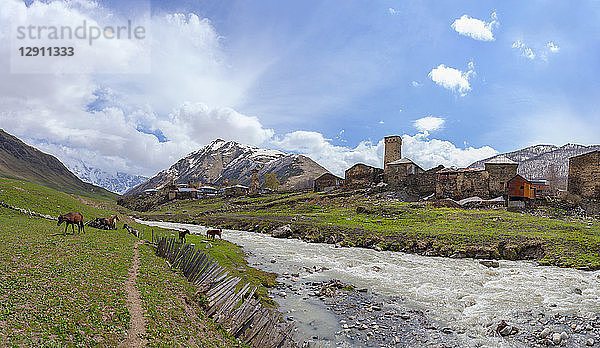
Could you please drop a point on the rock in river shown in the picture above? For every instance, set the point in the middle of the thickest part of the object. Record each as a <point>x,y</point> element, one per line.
<point>490,263</point>
<point>282,232</point>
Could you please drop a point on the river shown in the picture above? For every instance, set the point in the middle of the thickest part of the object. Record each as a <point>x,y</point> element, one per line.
<point>459,293</point>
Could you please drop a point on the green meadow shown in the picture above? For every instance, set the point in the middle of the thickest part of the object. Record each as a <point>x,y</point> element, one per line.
<point>69,289</point>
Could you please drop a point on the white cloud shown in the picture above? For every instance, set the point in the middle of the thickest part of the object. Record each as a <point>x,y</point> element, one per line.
<point>105,119</point>
<point>540,52</point>
<point>393,11</point>
<point>552,46</point>
<point>416,84</point>
<point>426,152</point>
<point>98,117</point>
<point>476,28</point>
<point>429,123</point>
<point>452,79</point>
<point>429,153</point>
<point>526,51</point>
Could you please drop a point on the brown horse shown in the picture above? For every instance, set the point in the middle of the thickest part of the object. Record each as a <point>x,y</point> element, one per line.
<point>213,232</point>
<point>111,221</point>
<point>182,234</point>
<point>72,219</point>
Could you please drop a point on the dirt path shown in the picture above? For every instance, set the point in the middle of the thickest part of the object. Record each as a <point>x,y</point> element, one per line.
<point>134,303</point>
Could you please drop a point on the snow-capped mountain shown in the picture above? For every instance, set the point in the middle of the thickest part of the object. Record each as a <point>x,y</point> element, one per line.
<point>117,182</point>
<point>230,160</point>
<point>537,162</point>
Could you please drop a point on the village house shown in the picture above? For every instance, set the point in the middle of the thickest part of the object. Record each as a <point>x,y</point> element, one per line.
<point>584,175</point>
<point>327,182</point>
<point>208,190</point>
<point>362,175</point>
<point>521,192</point>
<point>236,190</point>
<point>396,173</point>
<point>541,187</point>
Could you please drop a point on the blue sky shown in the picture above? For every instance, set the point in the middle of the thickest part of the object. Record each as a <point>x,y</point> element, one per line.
<point>348,65</point>
<point>331,78</point>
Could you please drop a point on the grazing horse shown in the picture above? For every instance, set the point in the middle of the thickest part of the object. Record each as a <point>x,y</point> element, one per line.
<point>103,223</point>
<point>72,219</point>
<point>131,230</point>
<point>111,221</point>
<point>182,234</point>
<point>213,232</point>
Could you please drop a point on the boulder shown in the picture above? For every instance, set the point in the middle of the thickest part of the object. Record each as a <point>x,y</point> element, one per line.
<point>556,338</point>
<point>282,232</point>
<point>490,263</point>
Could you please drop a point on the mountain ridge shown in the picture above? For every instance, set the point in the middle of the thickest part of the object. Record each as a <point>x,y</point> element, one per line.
<point>117,182</point>
<point>536,162</point>
<point>230,160</point>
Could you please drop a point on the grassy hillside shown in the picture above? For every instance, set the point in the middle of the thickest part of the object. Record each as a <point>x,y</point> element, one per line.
<point>21,161</point>
<point>364,220</point>
<point>60,289</point>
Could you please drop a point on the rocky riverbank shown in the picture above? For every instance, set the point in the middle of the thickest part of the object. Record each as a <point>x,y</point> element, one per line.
<point>367,319</point>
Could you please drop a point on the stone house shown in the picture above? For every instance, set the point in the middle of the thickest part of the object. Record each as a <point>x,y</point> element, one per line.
<point>584,175</point>
<point>501,169</point>
<point>236,190</point>
<point>462,183</point>
<point>397,172</point>
<point>326,182</point>
<point>362,175</point>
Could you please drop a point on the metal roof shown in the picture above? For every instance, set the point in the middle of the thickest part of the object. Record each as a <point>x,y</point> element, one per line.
<point>402,161</point>
<point>335,176</point>
<point>502,159</point>
<point>186,189</point>
<point>457,170</point>
<point>238,186</point>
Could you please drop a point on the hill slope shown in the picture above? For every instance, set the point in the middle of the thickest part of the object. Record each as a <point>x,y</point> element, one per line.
<point>21,161</point>
<point>534,161</point>
<point>222,160</point>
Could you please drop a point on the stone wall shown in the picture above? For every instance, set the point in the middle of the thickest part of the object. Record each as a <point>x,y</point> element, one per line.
<point>463,184</point>
<point>363,175</point>
<point>422,184</point>
<point>500,175</point>
<point>584,175</point>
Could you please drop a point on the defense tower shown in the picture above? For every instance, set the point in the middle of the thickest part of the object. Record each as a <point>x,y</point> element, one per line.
<point>393,149</point>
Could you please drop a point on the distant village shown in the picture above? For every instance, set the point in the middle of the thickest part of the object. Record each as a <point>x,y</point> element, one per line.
<point>498,182</point>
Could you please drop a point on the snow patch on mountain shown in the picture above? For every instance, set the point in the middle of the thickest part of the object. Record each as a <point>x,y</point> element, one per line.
<point>117,182</point>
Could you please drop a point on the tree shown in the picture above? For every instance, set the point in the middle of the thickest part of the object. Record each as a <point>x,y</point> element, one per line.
<point>271,182</point>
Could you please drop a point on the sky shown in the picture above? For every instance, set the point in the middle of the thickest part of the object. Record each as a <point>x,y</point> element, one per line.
<point>459,81</point>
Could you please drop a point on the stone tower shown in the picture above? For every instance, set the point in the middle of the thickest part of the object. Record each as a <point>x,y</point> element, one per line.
<point>501,170</point>
<point>254,182</point>
<point>393,149</point>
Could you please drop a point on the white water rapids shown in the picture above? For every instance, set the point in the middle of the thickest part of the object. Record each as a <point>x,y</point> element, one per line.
<point>460,293</point>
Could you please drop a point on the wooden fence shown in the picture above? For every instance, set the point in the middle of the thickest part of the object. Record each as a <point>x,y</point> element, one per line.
<point>237,311</point>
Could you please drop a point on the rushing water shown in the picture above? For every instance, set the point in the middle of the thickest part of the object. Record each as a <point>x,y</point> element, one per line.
<point>460,293</point>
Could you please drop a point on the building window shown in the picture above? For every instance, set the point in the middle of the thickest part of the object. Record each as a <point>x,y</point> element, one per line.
<point>522,187</point>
